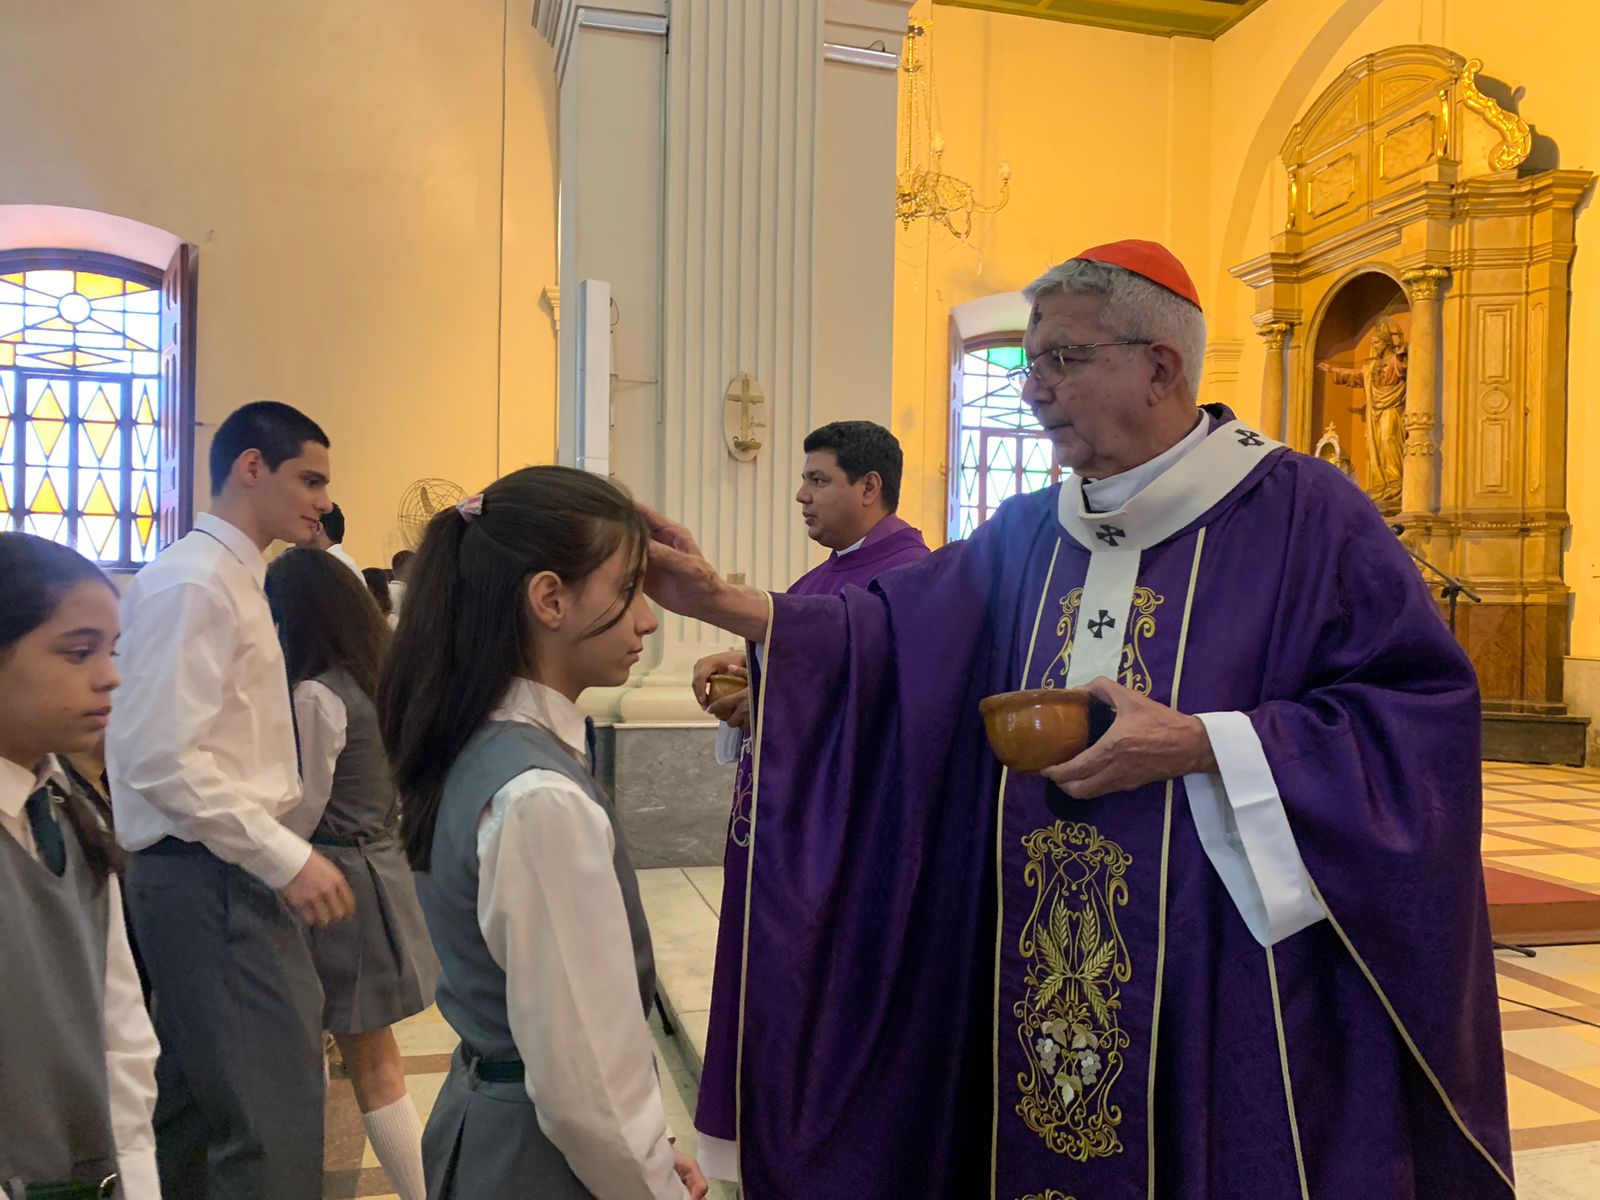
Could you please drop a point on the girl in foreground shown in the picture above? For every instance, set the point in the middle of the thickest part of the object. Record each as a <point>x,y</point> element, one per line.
<point>77,1053</point>
<point>519,600</point>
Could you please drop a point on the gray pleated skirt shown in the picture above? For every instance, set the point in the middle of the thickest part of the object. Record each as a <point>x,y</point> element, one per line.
<point>483,1142</point>
<point>379,967</point>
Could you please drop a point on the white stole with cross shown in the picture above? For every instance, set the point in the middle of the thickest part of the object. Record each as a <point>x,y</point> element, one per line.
<point>1117,540</point>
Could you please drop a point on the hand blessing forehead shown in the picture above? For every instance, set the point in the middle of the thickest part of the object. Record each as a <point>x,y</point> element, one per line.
<point>666,532</point>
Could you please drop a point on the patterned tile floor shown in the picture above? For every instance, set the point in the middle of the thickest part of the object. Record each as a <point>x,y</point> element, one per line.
<point>1540,822</point>
<point>1543,823</point>
<point>427,1042</point>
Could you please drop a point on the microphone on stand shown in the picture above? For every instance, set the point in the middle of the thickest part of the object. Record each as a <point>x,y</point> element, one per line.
<point>1397,529</point>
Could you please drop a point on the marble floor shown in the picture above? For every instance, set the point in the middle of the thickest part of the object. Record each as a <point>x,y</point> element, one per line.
<point>1552,1054</point>
<point>351,1169</point>
<point>1540,823</point>
<point>1543,822</point>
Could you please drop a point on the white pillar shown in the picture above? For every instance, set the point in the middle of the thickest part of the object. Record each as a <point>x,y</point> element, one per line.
<point>611,69</point>
<point>772,212</point>
<point>585,427</point>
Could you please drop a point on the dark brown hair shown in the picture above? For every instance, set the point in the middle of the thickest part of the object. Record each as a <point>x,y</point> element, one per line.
<point>325,618</point>
<point>463,626</point>
<point>377,581</point>
<point>278,431</point>
<point>34,575</point>
<point>862,446</point>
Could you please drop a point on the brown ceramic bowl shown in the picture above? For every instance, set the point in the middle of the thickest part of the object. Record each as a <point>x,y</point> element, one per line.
<point>1032,730</point>
<point>722,686</point>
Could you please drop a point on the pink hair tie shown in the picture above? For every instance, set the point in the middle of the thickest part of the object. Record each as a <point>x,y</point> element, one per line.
<point>471,507</point>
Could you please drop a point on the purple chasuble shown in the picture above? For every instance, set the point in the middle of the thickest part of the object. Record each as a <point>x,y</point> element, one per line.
<point>891,543</point>
<point>959,983</point>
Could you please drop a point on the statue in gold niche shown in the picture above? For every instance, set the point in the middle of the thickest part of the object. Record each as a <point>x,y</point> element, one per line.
<point>1383,379</point>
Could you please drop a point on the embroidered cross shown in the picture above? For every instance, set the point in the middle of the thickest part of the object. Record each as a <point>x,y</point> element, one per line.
<point>1109,534</point>
<point>1102,623</point>
<point>1249,437</point>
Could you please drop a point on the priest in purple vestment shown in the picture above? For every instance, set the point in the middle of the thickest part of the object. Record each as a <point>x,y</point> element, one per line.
<point>848,496</point>
<point>1239,946</point>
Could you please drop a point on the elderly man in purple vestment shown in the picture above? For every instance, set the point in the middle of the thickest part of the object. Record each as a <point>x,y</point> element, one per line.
<point>849,494</point>
<point>1238,948</point>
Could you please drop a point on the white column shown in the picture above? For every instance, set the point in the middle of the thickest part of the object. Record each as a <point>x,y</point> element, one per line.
<point>611,67</point>
<point>773,210</point>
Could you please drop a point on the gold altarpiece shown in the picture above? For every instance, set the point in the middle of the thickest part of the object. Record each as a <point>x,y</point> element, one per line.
<point>1414,226</point>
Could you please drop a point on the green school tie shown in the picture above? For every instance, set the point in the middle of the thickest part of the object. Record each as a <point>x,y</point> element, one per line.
<point>46,833</point>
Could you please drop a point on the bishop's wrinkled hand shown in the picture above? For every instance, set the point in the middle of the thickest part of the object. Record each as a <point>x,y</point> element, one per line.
<point>1147,743</point>
<point>677,576</point>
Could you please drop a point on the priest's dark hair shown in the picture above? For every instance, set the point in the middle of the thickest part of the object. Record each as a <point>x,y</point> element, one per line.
<point>279,431</point>
<point>464,632</point>
<point>35,575</point>
<point>862,446</point>
<point>325,618</point>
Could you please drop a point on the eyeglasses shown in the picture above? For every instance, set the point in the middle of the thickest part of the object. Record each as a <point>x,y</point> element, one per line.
<point>1053,365</point>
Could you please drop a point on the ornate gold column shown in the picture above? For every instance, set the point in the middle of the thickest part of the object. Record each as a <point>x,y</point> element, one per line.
<point>1419,480</point>
<point>1274,376</point>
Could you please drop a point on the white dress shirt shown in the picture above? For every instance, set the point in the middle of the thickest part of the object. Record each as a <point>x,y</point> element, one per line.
<point>324,724</point>
<point>343,555</point>
<point>201,744</point>
<point>131,1046</point>
<point>552,915</point>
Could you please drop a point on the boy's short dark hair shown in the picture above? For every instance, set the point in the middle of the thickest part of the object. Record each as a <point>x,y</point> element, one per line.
<point>333,524</point>
<point>862,446</point>
<point>401,558</point>
<point>279,431</point>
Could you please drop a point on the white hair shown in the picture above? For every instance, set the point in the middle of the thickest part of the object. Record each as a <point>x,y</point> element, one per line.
<point>1135,307</point>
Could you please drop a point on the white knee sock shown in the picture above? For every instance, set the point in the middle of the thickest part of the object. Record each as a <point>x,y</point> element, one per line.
<point>395,1132</point>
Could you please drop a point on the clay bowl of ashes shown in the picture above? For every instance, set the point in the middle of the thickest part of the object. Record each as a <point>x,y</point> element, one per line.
<point>721,686</point>
<point>1035,729</point>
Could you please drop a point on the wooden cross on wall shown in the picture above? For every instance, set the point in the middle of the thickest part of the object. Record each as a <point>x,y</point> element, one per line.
<point>739,423</point>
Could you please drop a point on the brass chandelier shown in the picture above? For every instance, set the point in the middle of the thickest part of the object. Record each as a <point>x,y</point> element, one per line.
<point>922,190</point>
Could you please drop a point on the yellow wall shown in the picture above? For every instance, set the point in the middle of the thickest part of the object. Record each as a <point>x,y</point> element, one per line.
<point>1283,55</point>
<point>339,166</point>
<point>1120,135</point>
<point>1098,151</point>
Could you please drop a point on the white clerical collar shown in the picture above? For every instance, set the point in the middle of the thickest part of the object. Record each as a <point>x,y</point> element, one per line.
<point>1178,496</point>
<point>851,549</point>
<point>532,703</point>
<point>1112,492</point>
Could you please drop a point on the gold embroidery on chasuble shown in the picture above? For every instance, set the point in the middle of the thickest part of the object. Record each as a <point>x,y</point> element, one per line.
<point>739,824</point>
<point>1067,1019</point>
<point>1132,674</point>
<point>1048,1194</point>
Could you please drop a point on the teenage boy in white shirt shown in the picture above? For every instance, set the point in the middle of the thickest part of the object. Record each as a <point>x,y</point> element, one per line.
<point>202,759</point>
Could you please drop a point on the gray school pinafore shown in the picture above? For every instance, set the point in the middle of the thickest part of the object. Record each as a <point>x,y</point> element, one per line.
<point>379,967</point>
<point>55,1119</point>
<point>483,1140</point>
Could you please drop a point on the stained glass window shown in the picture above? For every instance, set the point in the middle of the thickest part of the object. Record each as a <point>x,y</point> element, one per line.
<point>997,448</point>
<point>80,408</point>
